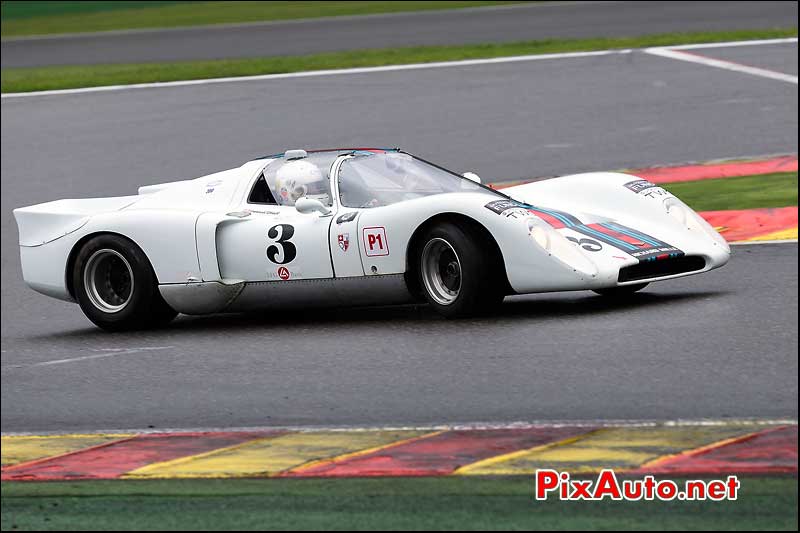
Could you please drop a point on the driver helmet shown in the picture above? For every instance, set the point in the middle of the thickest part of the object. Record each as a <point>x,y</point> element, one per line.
<point>296,179</point>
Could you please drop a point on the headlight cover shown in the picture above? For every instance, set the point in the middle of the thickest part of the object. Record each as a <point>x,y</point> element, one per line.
<point>545,236</point>
<point>689,219</point>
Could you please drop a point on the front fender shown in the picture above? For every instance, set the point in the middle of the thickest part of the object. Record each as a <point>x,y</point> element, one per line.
<point>632,202</point>
<point>529,268</point>
<point>611,195</point>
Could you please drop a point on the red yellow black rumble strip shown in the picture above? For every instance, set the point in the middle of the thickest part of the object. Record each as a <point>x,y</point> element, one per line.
<point>674,448</point>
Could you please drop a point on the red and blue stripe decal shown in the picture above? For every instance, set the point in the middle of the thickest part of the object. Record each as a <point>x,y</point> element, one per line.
<point>636,243</point>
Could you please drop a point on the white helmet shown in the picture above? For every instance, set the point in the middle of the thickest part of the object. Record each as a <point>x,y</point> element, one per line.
<point>296,179</point>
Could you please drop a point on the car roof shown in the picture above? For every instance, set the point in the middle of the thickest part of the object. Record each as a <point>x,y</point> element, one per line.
<point>342,150</point>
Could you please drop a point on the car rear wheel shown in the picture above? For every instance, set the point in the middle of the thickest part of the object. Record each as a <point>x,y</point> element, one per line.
<point>116,287</point>
<point>621,292</point>
<point>458,272</point>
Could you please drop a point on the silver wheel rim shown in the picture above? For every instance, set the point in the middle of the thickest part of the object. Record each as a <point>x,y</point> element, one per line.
<point>441,271</point>
<point>108,279</point>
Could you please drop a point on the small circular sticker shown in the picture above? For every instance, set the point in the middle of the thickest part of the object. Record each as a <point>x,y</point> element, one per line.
<point>283,273</point>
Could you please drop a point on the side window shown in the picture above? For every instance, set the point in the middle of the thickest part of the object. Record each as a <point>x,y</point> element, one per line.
<point>261,193</point>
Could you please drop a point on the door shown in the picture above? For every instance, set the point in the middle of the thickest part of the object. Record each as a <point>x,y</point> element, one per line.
<point>277,244</point>
<point>345,244</point>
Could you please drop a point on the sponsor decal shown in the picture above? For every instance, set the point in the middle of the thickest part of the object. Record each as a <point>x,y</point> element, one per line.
<point>499,206</point>
<point>344,241</point>
<point>657,253</point>
<point>655,192</point>
<point>375,243</point>
<point>646,188</point>
<point>282,250</point>
<point>283,273</point>
<point>211,185</point>
<point>638,186</point>
<point>516,212</point>
<point>347,217</point>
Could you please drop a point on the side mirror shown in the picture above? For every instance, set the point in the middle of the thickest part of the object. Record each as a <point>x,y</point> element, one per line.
<point>309,205</point>
<point>472,176</point>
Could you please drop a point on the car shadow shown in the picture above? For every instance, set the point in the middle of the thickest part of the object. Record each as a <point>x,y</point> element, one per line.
<point>515,308</point>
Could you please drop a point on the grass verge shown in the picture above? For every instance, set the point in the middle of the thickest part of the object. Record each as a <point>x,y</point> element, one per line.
<point>67,77</point>
<point>400,503</point>
<point>744,192</point>
<point>27,17</point>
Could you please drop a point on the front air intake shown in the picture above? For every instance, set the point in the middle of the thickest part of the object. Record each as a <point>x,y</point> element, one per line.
<point>661,268</point>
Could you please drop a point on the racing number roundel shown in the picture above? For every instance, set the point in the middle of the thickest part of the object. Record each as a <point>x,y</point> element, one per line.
<point>282,251</point>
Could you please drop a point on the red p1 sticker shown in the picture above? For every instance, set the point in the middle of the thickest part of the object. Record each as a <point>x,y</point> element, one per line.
<point>375,242</point>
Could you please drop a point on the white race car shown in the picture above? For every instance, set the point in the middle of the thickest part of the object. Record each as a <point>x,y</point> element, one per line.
<point>359,226</point>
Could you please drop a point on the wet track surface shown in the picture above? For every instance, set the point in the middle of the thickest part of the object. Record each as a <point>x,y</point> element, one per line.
<point>495,24</point>
<point>505,121</point>
<point>717,345</point>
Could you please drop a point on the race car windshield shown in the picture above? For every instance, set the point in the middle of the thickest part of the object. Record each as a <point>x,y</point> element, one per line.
<point>378,179</point>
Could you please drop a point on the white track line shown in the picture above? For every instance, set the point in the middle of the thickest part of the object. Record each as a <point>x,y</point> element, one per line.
<point>104,352</point>
<point>664,51</point>
<point>675,52</point>
<point>729,44</point>
<point>703,422</point>
<point>315,73</point>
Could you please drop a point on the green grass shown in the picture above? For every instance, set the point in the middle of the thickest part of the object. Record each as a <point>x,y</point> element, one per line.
<point>24,9</point>
<point>41,18</point>
<point>745,192</point>
<point>401,503</point>
<point>66,77</point>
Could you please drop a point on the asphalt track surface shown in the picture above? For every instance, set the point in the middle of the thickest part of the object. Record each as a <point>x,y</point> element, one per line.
<point>719,345</point>
<point>494,24</point>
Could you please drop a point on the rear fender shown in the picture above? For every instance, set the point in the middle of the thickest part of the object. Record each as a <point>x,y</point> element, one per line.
<point>43,223</point>
<point>167,237</point>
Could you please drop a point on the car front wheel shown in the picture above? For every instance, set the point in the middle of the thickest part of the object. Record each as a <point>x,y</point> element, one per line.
<point>458,274</point>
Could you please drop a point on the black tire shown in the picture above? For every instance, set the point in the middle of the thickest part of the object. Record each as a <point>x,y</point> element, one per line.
<point>469,273</point>
<point>621,292</point>
<point>116,287</point>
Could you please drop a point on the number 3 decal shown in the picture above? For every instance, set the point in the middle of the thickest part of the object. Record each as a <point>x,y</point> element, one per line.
<point>590,245</point>
<point>283,247</point>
